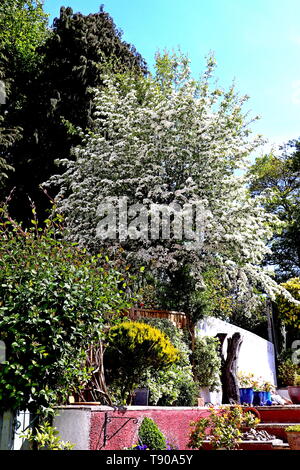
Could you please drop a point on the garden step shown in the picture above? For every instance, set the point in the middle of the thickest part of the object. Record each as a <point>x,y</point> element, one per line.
<point>275,444</point>
<point>275,429</point>
<point>288,414</point>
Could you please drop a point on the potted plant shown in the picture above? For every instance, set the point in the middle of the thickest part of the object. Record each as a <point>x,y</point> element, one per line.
<point>288,376</point>
<point>294,390</point>
<point>258,394</point>
<point>245,382</point>
<point>293,436</point>
<point>267,388</point>
<point>222,429</point>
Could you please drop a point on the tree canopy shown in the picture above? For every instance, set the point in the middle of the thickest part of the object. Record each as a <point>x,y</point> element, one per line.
<point>277,178</point>
<point>169,139</point>
<point>54,98</point>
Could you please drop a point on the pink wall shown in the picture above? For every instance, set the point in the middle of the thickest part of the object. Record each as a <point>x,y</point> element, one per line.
<point>173,422</point>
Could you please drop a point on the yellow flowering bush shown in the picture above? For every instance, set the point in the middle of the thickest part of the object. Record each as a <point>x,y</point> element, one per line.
<point>133,349</point>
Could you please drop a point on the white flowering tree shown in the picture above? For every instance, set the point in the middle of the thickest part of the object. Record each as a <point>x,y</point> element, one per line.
<point>170,140</point>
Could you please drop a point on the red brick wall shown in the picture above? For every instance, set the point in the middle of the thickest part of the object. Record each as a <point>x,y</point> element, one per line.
<point>121,432</point>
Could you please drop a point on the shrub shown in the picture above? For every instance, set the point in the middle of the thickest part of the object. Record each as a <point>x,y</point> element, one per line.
<point>207,362</point>
<point>287,372</point>
<point>175,386</point>
<point>46,437</point>
<point>151,436</point>
<point>54,302</point>
<point>290,312</point>
<point>133,349</point>
<point>223,428</point>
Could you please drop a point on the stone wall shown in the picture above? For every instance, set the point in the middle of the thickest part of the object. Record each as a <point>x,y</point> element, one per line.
<point>104,428</point>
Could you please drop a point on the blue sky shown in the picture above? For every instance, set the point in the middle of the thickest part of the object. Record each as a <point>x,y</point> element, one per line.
<point>255,42</point>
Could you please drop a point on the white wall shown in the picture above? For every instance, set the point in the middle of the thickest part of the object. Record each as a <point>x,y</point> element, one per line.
<point>73,424</point>
<point>257,355</point>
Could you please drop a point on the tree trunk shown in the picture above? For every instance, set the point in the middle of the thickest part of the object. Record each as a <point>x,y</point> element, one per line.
<point>229,380</point>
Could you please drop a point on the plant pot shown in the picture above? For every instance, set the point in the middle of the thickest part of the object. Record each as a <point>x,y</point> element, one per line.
<point>200,401</point>
<point>293,438</point>
<point>215,398</point>
<point>259,398</point>
<point>294,393</point>
<point>267,398</point>
<point>246,396</point>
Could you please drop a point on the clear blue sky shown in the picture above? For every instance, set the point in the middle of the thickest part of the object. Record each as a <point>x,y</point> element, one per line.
<point>255,42</point>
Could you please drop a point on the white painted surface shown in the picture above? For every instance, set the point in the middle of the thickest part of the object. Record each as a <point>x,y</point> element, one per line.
<point>6,430</point>
<point>256,356</point>
<point>74,425</point>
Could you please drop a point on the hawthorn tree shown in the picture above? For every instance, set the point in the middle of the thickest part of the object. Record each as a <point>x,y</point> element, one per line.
<point>169,139</point>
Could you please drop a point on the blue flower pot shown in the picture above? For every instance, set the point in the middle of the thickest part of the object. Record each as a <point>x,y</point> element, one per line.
<point>268,399</point>
<point>246,396</point>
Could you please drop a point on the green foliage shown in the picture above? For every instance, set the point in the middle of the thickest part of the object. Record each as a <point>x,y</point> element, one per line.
<point>288,372</point>
<point>207,362</point>
<point>295,428</point>
<point>54,302</point>
<point>176,385</point>
<point>133,349</point>
<point>23,26</point>
<point>289,312</point>
<point>277,179</point>
<point>46,437</point>
<point>150,435</point>
<point>56,99</point>
<point>223,427</point>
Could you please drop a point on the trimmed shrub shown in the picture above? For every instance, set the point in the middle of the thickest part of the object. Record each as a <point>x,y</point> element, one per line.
<point>151,436</point>
<point>133,350</point>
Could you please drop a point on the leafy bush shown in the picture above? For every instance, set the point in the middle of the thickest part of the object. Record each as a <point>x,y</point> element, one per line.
<point>287,372</point>
<point>133,349</point>
<point>175,386</point>
<point>151,436</point>
<point>46,437</point>
<point>288,311</point>
<point>55,300</point>
<point>207,362</point>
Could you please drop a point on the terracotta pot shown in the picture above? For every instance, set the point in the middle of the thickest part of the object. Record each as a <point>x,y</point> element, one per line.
<point>294,393</point>
<point>200,401</point>
<point>293,438</point>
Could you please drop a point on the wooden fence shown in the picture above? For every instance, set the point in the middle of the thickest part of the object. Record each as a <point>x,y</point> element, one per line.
<point>178,318</point>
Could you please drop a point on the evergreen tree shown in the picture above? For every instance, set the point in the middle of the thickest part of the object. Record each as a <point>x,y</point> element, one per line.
<point>58,98</point>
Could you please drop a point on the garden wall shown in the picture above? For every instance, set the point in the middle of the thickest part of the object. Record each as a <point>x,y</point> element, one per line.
<point>257,355</point>
<point>105,428</point>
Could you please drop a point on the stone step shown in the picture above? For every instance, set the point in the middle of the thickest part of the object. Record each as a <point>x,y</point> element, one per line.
<point>275,429</point>
<point>275,444</point>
